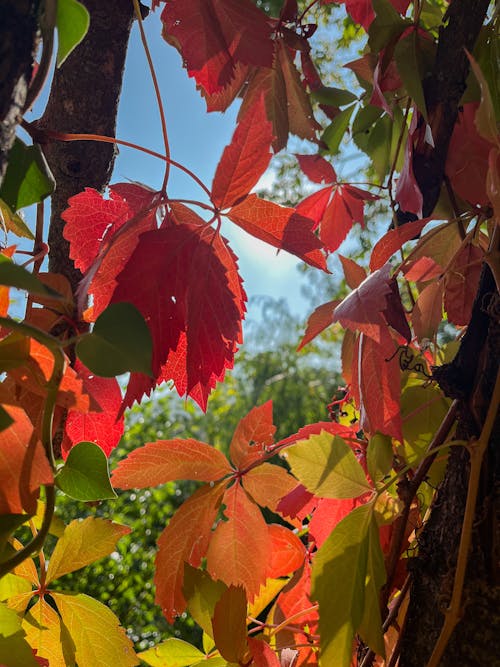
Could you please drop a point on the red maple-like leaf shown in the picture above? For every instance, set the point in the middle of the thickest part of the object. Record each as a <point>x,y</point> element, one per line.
<point>183,279</point>
<point>213,36</point>
<point>281,227</point>
<point>317,169</point>
<point>314,206</point>
<point>245,159</point>
<point>101,424</point>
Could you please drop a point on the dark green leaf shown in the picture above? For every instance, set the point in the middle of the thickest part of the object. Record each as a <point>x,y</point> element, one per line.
<point>72,24</point>
<point>28,178</point>
<point>334,133</point>
<point>410,67</point>
<point>14,351</point>
<point>119,342</point>
<point>85,475</point>
<point>387,25</point>
<point>334,97</point>
<point>379,456</point>
<point>13,275</point>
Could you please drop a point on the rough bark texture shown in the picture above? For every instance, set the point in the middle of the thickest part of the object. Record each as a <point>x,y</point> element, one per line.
<point>470,379</point>
<point>84,99</point>
<point>18,39</point>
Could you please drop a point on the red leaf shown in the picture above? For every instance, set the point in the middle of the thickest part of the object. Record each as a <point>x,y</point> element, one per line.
<point>245,159</point>
<point>314,205</point>
<point>346,432</point>
<point>262,654</point>
<point>422,270</point>
<point>287,552</point>
<point>279,226</point>
<point>354,273</point>
<point>214,35</point>
<point>461,284</point>
<point>362,309</point>
<point>328,513</point>
<point>184,540</point>
<point>393,240</point>
<point>23,465</point>
<point>394,312</point>
<point>184,280</point>
<point>345,208</point>
<point>267,484</point>
<point>298,503</point>
<point>379,387</point>
<point>362,10</point>
<point>408,194</point>
<point>428,311</point>
<point>102,425</point>
<point>167,460</point>
<point>317,169</point>
<point>319,320</point>
<point>238,551</point>
<point>253,435</point>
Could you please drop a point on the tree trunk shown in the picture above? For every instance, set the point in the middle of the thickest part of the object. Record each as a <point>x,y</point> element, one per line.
<point>18,42</point>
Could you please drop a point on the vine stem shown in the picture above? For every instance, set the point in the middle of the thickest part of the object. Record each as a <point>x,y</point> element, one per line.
<point>157,92</point>
<point>476,453</point>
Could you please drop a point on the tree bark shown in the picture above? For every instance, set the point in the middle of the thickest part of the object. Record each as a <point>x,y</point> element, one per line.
<point>84,99</point>
<point>18,42</point>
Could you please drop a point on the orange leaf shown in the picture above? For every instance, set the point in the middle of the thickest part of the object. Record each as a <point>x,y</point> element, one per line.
<point>287,552</point>
<point>253,434</point>
<point>166,460</point>
<point>280,226</point>
<point>354,273</point>
<point>239,549</point>
<point>184,540</point>
<point>245,159</point>
<point>262,654</point>
<point>318,321</point>
<point>461,283</point>
<point>393,240</point>
<point>23,465</point>
<point>268,484</point>
<point>230,624</point>
<point>428,311</point>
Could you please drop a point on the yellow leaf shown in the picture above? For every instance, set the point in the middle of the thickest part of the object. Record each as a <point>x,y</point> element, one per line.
<point>96,633</point>
<point>44,633</point>
<point>266,594</point>
<point>12,222</point>
<point>83,542</point>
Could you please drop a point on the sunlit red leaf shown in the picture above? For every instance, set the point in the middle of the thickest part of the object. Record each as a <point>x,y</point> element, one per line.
<point>287,551</point>
<point>267,484</point>
<point>239,549</point>
<point>328,513</point>
<point>23,465</point>
<point>314,206</point>
<point>214,35</point>
<point>166,460</point>
<point>298,503</point>
<point>422,270</point>
<point>354,273</point>
<point>317,169</point>
<point>280,226</point>
<point>252,436</point>
<point>362,10</point>
<point>184,540</point>
<point>101,424</point>
<point>393,240</point>
<point>245,159</point>
<point>262,654</point>
<point>318,321</point>
<point>345,432</point>
<point>345,208</point>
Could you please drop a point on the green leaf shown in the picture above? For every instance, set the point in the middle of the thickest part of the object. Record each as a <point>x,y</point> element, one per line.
<point>370,628</point>
<point>484,119</point>
<point>73,22</point>
<point>14,649</point>
<point>96,633</point>
<point>387,25</point>
<point>333,134</point>
<point>13,275</point>
<point>327,467</point>
<point>172,653</point>
<point>28,178</point>
<point>379,456</point>
<point>13,222</point>
<point>85,474</point>
<point>14,351</point>
<point>338,584</point>
<point>119,342</point>
<point>229,624</point>
<point>83,543</point>
<point>407,55</point>
<point>334,97</point>
<point>202,594</point>
<point>377,135</point>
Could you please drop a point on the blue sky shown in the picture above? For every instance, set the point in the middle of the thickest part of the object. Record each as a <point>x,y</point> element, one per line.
<point>197,140</point>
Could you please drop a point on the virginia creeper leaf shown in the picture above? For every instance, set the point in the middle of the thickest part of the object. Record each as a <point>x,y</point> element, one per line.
<point>119,342</point>
<point>47,636</point>
<point>408,57</point>
<point>245,159</point>
<point>318,321</point>
<point>96,633</point>
<point>85,474</point>
<point>287,552</point>
<point>379,456</point>
<point>333,97</point>
<point>461,283</point>
<point>262,654</point>
<point>172,652</point>
<point>328,513</point>
<point>354,273</point>
<point>428,310</point>
<point>14,649</point>
<point>484,119</point>
<point>73,22</point>
<point>327,467</point>
<point>14,351</point>
<point>230,624</point>
<point>253,434</point>
<point>245,532</point>
<point>14,275</point>
<point>334,133</point>
<point>184,540</point>
<point>28,179</point>
<point>166,460</point>
<point>279,226</point>
<point>393,240</point>
<point>202,594</point>
<point>317,169</point>
<point>345,208</point>
<point>267,484</point>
